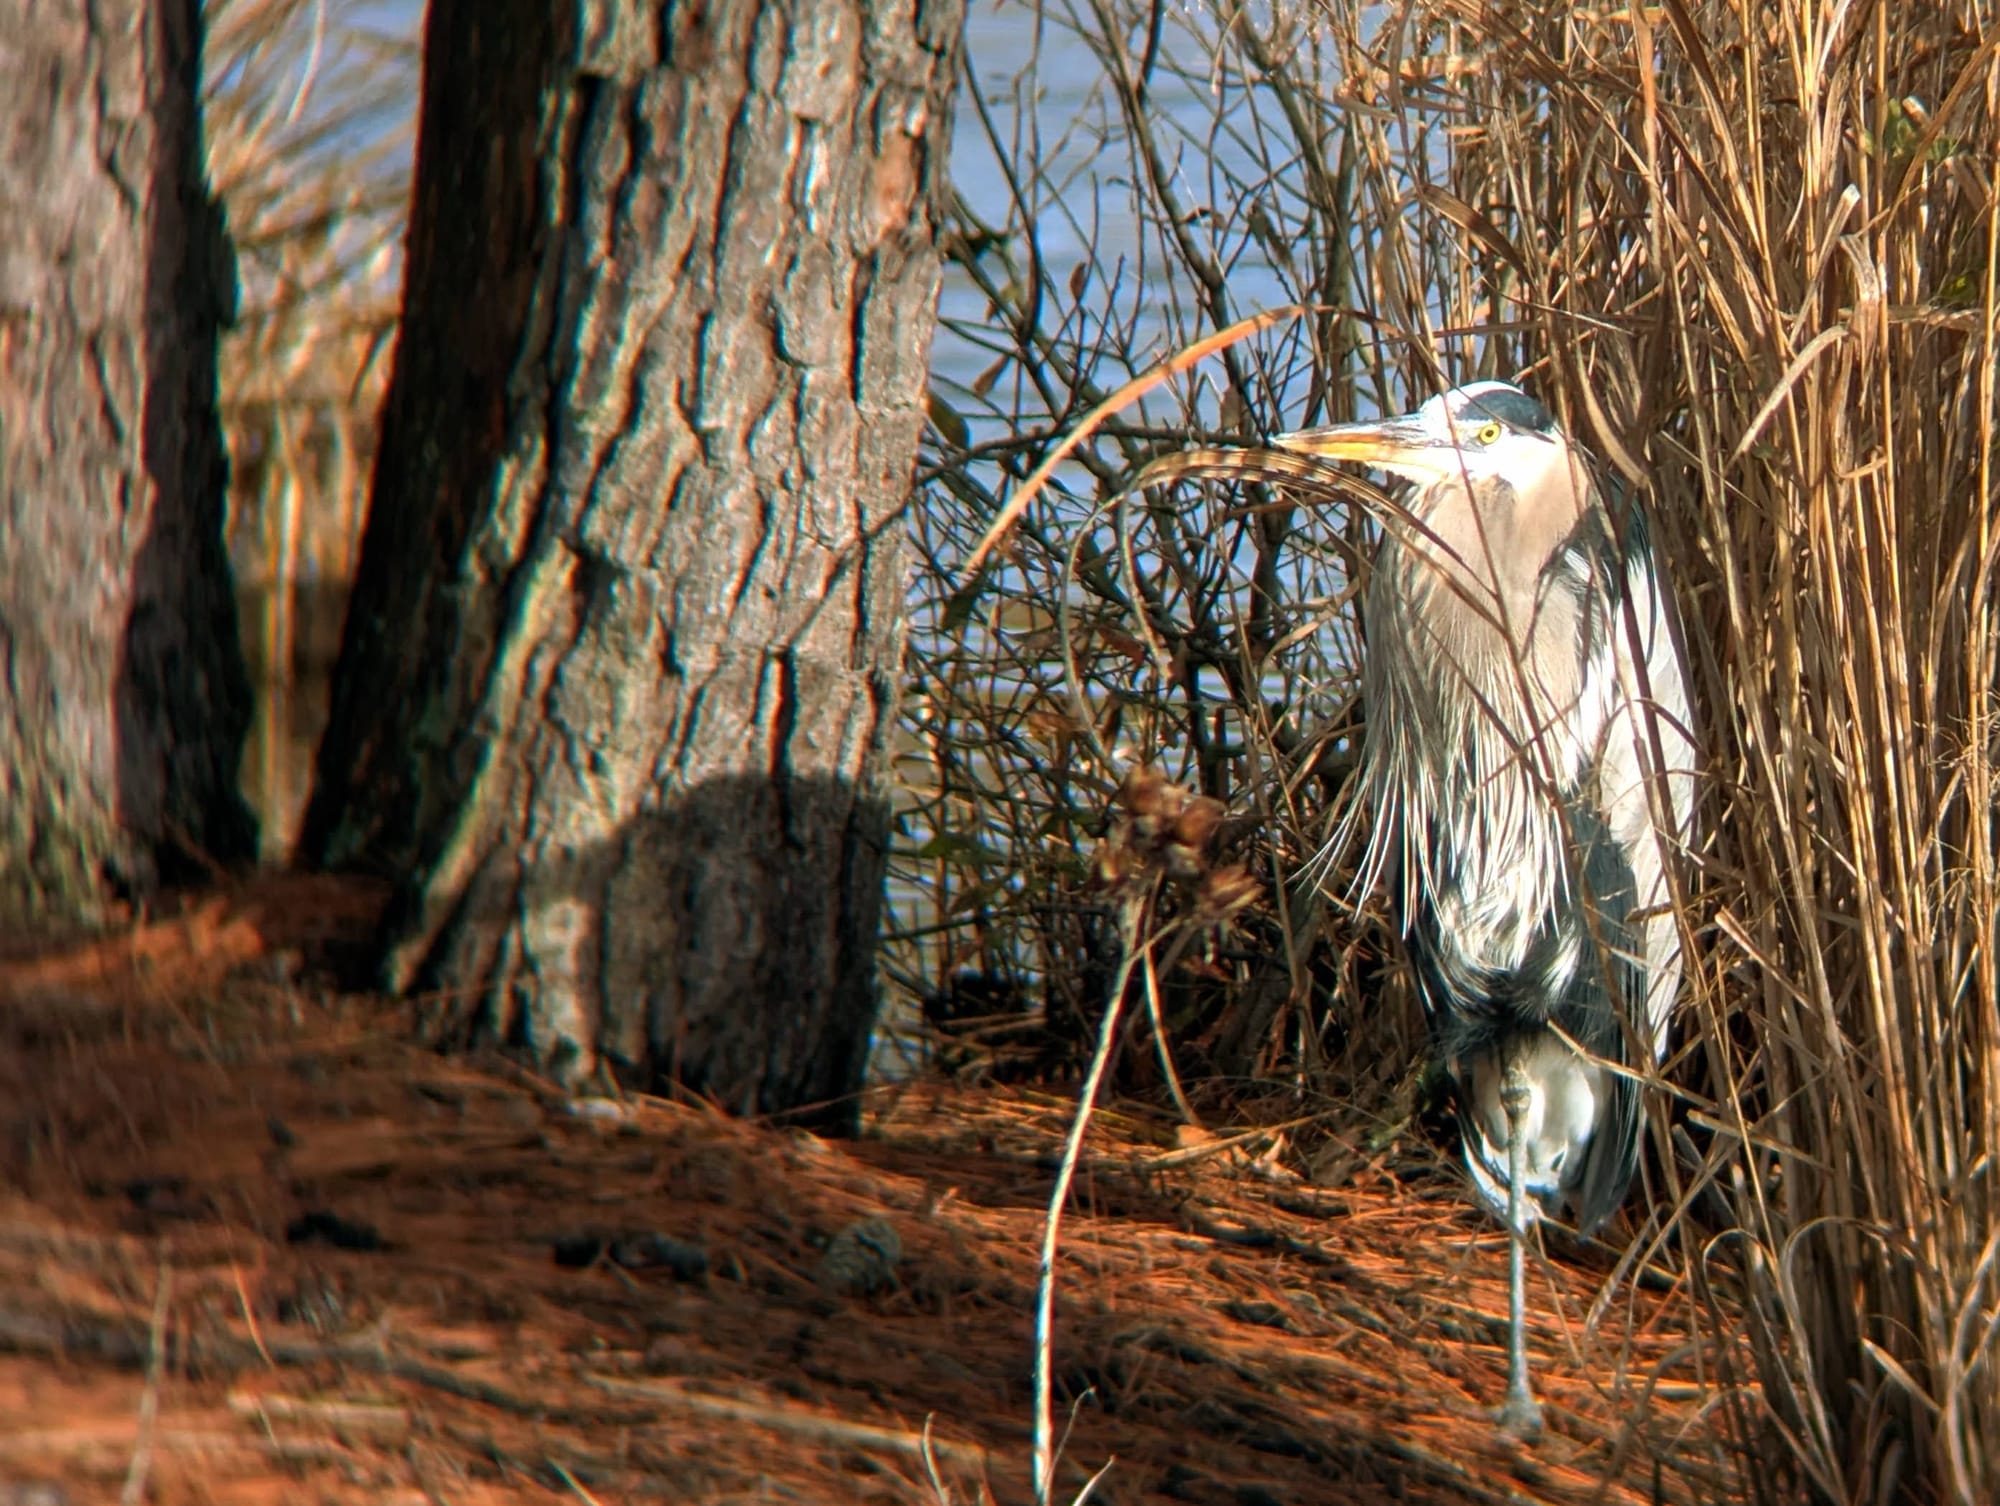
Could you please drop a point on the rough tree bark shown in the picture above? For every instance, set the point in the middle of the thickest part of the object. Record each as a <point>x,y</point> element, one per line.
<point>620,667</point>
<point>124,701</point>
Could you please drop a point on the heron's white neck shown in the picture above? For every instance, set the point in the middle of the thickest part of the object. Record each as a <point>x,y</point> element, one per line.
<point>1481,701</point>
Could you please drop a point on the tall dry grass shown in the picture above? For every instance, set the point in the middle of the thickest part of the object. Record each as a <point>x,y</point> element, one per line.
<point>1747,250</point>
<point>1751,247</point>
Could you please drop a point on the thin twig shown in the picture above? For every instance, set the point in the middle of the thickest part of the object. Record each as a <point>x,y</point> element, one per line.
<point>782,1419</point>
<point>571,1481</point>
<point>1156,1017</point>
<point>1131,914</point>
<point>1131,392</point>
<point>149,1399</point>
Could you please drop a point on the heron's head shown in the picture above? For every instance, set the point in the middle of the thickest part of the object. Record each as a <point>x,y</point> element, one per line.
<point>1486,430</point>
<point>1568,1103</point>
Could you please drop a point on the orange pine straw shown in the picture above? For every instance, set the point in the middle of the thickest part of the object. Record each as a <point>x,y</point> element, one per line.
<point>1138,387</point>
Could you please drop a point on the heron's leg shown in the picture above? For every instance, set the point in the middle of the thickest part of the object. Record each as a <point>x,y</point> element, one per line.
<point>1521,1415</point>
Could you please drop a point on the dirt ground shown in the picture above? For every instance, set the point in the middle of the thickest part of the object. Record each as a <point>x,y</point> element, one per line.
<point>255,1246</point>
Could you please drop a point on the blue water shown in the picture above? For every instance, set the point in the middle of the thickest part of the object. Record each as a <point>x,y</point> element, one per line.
<point>1046,101</point>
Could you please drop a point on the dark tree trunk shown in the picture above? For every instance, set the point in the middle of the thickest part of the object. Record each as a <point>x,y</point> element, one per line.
<point>124,701</point>
<point>621,661</point>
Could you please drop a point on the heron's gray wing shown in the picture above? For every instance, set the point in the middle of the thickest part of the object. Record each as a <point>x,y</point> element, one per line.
<point>1601,998</point>
<point>1625,825</point>
<point>1646,774</point>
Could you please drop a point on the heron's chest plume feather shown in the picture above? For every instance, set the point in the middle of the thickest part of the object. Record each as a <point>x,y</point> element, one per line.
<point>1487,705</point>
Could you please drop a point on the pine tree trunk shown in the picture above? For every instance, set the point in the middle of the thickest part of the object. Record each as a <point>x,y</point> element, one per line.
<point>621,662</point>
<point>124,701</point>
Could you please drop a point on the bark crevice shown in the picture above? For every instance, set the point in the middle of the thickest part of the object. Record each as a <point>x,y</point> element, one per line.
<point>653,839</point>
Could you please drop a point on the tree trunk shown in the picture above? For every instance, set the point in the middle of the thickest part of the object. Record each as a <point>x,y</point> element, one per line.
<point>621,662</point>
<point>124,701</point>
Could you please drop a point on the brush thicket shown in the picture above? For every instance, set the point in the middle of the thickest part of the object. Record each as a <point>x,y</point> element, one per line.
<point>1746,250</point>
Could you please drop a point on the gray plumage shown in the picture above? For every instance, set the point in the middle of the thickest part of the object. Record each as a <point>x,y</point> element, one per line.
<point>1527,722</point>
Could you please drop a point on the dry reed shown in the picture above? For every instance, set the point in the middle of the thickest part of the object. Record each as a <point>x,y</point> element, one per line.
<point>1747,250</point>
<point>1751,249</point>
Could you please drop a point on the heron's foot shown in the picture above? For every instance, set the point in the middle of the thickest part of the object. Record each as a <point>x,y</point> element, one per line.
<point>1521,1417</point>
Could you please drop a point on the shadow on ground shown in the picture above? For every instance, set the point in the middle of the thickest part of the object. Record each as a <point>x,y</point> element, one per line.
<point>263,1248</point>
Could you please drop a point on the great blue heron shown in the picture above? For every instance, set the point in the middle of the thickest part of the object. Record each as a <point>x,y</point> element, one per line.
<point>1527,739</point>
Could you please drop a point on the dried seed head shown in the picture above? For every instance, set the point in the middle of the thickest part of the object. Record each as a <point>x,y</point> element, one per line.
<point>1115,862</point>
<point>1181,861</point>
<point>1163,828</point>
<point>1196,824</point>
<point>1225,891</point>
<point>1152,803</point>
<point>1146,793</point>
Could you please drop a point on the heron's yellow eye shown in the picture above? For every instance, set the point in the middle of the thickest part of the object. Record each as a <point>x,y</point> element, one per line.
<point>1489,433</point>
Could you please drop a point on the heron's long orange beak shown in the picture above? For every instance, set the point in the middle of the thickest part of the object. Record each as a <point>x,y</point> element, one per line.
<point>1400,446</point>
